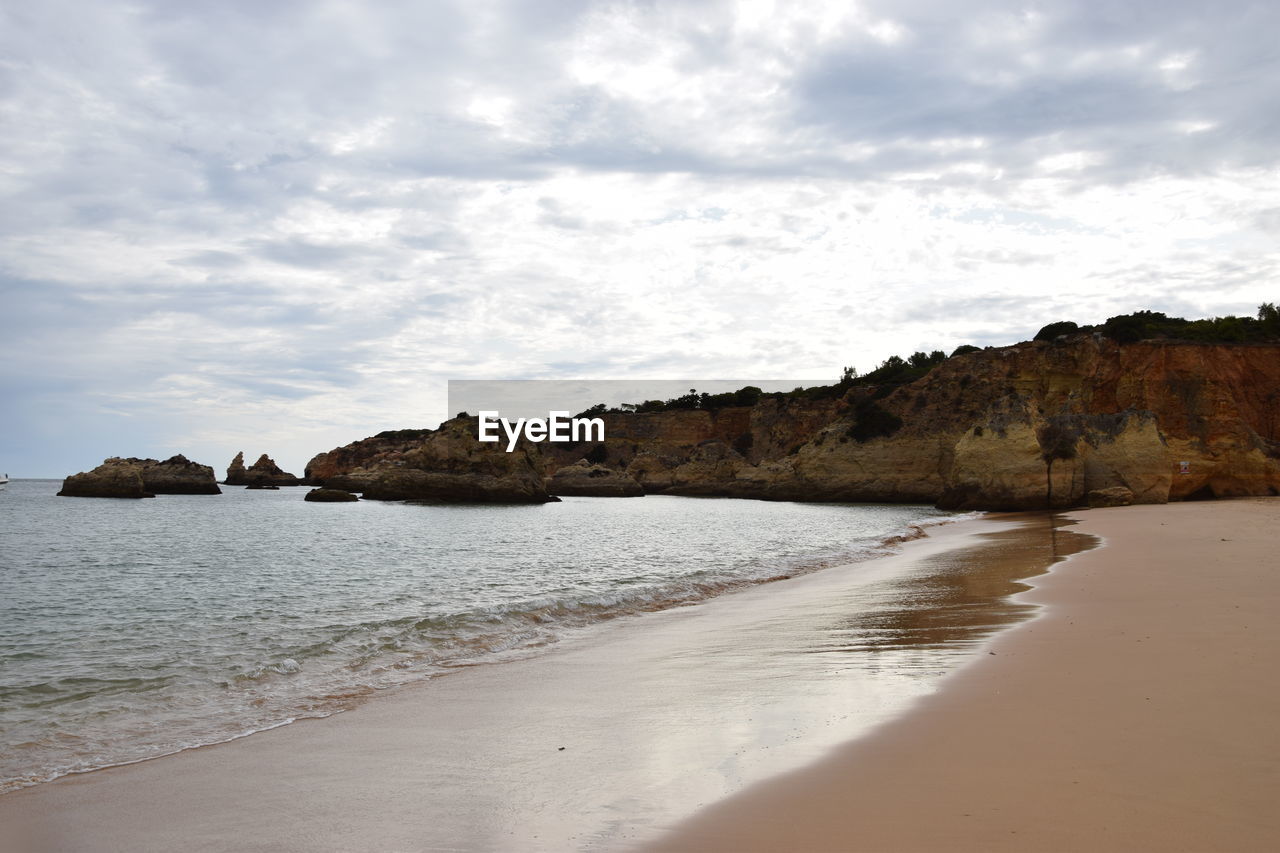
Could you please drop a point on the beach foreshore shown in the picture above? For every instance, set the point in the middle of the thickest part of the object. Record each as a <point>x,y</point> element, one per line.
<point>1138,712</point>
<point>865,707</point>
<point>608,738</point>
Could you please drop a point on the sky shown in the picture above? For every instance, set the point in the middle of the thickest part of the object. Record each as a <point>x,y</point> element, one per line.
<point>279,227</point>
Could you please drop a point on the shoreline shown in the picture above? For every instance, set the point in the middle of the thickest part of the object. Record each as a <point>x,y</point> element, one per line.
<point>597,744</point>
<point>625,604</point>
<point>1136,711</point>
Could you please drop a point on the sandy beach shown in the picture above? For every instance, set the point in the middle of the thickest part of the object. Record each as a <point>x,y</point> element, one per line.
<point>607,739</point>
<point>1138,713</point>
<point>1134,711</point>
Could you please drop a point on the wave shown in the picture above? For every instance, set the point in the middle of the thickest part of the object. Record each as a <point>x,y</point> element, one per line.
<point>335,666</point>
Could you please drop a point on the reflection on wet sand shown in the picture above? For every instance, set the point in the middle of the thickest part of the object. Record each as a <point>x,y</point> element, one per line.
<point>956,598</point>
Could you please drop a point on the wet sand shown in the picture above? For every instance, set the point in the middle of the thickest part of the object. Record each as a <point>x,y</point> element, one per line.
<point>604,741</point>
<point>1139,712</point>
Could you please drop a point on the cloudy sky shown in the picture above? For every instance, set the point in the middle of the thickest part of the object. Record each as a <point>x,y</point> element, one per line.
<point>282,226</point>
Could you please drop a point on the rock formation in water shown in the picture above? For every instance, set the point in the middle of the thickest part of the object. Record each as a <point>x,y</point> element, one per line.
<point>447,465</point>
<point>236,471</point>
<point>114,478</point>
<point>264,472</point>
<point>142,478</point>
<point>1035,425</point>
<point>330,496</point>
<point>584,479</point>
<point>177,475</point>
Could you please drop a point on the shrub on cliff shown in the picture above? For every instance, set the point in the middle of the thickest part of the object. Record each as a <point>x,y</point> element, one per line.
<point>872,421</point>
<point>1055,330</point>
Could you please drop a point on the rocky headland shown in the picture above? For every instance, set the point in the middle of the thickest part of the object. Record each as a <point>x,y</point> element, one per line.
<point>263,473</point>
<point>117,477</point>
<point>446,465</point>
<point>1079,419</point>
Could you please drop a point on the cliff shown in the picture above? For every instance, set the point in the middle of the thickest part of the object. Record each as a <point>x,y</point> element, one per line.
<point>1040,425</point>
<point>583,479</point>
<point>447,465</point>
<point>1030,426</point>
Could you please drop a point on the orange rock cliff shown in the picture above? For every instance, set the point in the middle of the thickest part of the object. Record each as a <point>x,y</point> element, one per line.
<point>1030,426</point>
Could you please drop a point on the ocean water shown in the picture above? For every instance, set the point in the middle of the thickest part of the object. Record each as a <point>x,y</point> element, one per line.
<point>132,629</point>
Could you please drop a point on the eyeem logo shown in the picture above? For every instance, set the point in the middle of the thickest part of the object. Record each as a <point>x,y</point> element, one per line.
<point>557,426</point>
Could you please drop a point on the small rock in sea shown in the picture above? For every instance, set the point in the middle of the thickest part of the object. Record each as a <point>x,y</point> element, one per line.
<point>330,496</point>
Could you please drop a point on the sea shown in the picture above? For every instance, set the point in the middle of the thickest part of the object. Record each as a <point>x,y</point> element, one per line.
<point>134,629</point>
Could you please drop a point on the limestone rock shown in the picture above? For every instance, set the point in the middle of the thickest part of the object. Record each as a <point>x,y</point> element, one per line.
<point>264,472</point>
<point>177,475</point>
<point>450,465</point>
<point>584,479</point>
<point>236,471</point>
<point>1111,496</point>
<point>1031,426</point>
<point>142,478</point>
<point>114,478</point>
<point>387,446</point>
<point>330,496</point>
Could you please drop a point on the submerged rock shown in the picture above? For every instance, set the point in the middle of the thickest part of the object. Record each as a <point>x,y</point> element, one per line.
<point>583,479</point>
<point>330,496</point>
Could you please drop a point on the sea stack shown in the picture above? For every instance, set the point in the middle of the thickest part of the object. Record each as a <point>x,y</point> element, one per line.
<point>114,478</point>
<point>142,478</point>
<point>264,472</point>
<point>178,475</point>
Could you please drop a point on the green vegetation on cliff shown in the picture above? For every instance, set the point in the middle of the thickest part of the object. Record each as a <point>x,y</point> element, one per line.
<point>895,371</point>
<point>1153,325</point>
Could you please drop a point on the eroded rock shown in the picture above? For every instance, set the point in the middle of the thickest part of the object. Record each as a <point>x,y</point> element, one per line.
<point>330,496</point>
<point>114,478</point>
<point>583,479</point>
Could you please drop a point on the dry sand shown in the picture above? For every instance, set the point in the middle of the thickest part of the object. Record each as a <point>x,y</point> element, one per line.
<point>1140,712</point>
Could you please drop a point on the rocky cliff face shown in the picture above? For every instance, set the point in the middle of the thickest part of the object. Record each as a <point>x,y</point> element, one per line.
<point>1041,425</point>
<point>1030,426</point>
<point>583,479</point>
<point>142,478</point>
<point>446,465</point>
<point>383,447</point>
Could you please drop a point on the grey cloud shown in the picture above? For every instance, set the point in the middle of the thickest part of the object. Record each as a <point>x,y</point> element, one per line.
<point>303,253</point>
<point>212,259</point>
<point>953,79</point>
